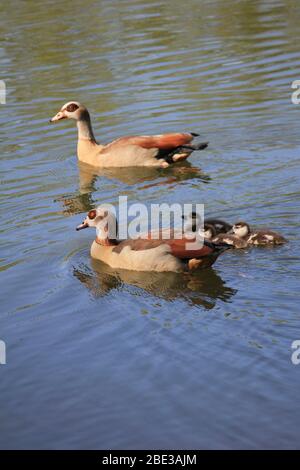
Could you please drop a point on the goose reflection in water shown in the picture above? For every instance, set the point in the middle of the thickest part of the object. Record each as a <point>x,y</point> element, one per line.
<point>199,288</point>
<point>129,176</point>
<point>143,178</point>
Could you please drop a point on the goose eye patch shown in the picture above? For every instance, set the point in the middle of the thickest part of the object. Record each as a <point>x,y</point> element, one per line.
<point>72,107</point>
<point>92,214</point>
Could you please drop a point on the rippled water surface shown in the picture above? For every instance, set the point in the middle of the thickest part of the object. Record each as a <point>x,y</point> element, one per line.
<point>104,359</point>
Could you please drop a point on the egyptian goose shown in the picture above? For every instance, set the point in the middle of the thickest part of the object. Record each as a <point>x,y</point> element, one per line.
<point>156,150</point>
<point>256,237</point>
<point>147,254</point>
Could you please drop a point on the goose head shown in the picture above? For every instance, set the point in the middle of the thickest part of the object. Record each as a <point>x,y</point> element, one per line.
<point>240,229</point>
<point>71,110</point>
<point>103,220</point>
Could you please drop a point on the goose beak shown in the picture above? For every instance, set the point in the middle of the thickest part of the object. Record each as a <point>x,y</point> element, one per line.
<point>82,226</point>
<point>60,115</point>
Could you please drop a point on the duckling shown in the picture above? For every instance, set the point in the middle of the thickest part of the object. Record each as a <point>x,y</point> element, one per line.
<point>147,254</point>
<point>220,226</point>
<point>257,237</point>
<point>209,231</point>
<point>146,150</point>
<point>233,240</point>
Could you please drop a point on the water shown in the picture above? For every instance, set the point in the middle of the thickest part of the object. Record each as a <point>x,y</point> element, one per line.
<point>105,359</point>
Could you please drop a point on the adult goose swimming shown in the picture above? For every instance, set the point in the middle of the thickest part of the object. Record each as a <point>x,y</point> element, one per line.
<point>147,254</point>
<point>145,150</point>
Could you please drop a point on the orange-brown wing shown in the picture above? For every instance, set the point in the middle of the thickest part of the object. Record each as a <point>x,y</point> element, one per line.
<point>182,247</point>
<point>162,142</point>
<point>179,248</point>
